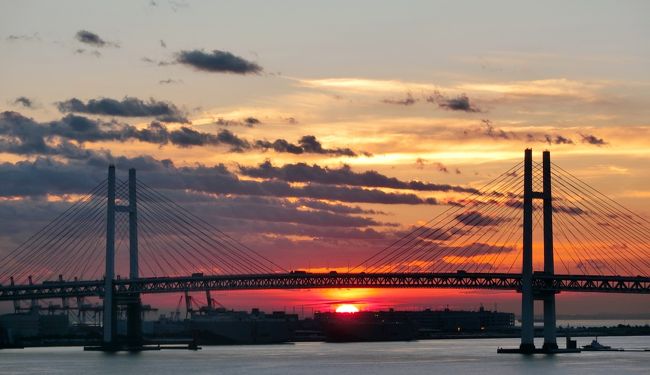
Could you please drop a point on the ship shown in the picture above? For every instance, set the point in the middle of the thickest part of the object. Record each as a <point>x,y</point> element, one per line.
<point>596,346</point>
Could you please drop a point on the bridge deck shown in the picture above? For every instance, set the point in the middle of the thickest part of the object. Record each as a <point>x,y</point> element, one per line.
<point>460,280</point>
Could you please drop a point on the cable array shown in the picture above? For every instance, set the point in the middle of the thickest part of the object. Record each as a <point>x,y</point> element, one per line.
<point>176,242</point>
<point>593,234</point>
<point>70,245</point>
<point>474,235</point>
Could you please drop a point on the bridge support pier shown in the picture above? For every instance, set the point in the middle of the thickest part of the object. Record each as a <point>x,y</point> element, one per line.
<point>527,299</point>
<point>134,307</point>
<point>132,302</point>
<point>550,339</point>
<point>110,312</point>
<point>528,294</point>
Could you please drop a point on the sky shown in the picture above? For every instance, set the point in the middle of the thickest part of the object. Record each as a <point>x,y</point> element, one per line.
<point>318,134</point>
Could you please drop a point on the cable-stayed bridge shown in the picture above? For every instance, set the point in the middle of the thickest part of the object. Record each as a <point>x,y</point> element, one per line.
<point>487,240</point>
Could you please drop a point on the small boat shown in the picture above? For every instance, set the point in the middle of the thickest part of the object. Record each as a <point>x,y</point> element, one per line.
<point>596,346</point>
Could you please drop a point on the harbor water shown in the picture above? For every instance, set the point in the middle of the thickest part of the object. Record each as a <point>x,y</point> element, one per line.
<point>465,356</point>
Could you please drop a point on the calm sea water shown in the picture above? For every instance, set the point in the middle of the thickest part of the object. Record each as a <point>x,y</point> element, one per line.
<point>419,357</point>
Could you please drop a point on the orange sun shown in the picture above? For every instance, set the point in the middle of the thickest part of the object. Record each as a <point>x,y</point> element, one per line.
<point>347,308</point>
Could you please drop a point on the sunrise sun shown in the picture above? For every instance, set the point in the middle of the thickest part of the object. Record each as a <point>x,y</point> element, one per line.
<point>347,308</point>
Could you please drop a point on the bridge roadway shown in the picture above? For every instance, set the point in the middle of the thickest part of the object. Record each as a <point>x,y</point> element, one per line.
<point>459,280</point>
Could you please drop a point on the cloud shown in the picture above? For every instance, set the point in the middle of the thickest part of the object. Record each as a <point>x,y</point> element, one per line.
<point>169,81</point>
<point>441,167</point>
<point>152,61</point>
<point>307,144</point>
<point>459,103</point>
<point>335,207</point>
<point>592,140</point>
<point>248,121</point>
<point>127,107</point>
<point>362,85</point>
<point>558,140</point>
<point>570,210</point>
<point>408,100</point>
<point>186,137</point>
<point>302,172</point>
<point>561,88</point>
<point>23,37</point>
<point>283,211</point>
<point>90,38</point>
<point>477,219</point>
<point>82,51</point>
<point>24,101</point>
<point>22,135</point>
<point>490,131</point>
<point>45,176</point>
<point>251,218</point>
<point>217,61</point>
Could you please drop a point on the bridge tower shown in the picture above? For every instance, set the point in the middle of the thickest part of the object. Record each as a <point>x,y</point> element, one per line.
<point>527,294</point>
<point>132,302</point>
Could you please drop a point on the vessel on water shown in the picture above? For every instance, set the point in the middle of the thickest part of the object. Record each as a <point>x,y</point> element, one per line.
<point>596,346</point>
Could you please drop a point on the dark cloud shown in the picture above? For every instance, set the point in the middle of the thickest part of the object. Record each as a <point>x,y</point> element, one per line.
<point>408,100</point>
<point>22,135</point>
<point>558,140</point>
<point>459,103</point>
<point>302,172</point>
<point>307,144</point>
<point>477,219</point>
<point>90,38</point>
<point>592,140</point>
<point>250,218</point>
<point>217,61</point>
<point>186,137</point>
<point>570,210</point>
<point>47,176</point>
<point>24,101</point>
<point>490,131</point>
<point>335,207</point>
<point>127,107</point>
<point>283,211</point>
<point>248,121</point>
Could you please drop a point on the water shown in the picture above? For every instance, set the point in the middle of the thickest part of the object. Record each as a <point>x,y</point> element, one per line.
<point>419,357</point>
